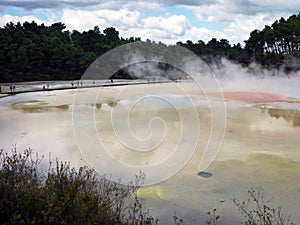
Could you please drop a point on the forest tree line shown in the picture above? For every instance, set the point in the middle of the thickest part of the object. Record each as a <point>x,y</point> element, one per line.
<point>30,51</point>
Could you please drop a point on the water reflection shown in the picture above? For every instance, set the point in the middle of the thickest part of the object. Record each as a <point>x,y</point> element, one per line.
<point>112,104</point>
<point>38,107</point>
<point>98,106</point>
<point>289,115</point>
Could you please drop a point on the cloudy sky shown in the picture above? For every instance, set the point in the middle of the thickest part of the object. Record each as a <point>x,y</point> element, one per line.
<point>168,21</point>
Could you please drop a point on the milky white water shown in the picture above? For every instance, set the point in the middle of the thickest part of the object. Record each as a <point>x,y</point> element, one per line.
<point>261,147</point>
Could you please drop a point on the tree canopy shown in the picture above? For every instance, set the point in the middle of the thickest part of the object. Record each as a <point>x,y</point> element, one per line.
<point>276,44</point>
<point>30,51</point>
<point>37,52</point>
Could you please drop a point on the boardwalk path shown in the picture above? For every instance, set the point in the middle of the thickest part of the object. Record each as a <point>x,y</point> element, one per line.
<point>26,87</point>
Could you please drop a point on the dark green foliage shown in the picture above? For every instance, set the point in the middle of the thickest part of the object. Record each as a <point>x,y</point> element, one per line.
<point>64,195</point>
<point>20,188</point>
<point>277,44</point>
<point>215,49</point>
<point>37,52</point>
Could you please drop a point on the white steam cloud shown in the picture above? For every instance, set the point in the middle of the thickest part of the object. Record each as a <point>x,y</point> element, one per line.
<point>234,77</point>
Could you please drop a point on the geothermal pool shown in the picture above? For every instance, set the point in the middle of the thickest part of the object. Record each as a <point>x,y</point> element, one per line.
<point>260,148</point>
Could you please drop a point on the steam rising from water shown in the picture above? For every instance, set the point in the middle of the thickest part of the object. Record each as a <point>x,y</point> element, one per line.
<point>234,77</point>
<point>230,76</point>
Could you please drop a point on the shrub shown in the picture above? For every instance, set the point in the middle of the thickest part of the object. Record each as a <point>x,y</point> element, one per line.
<point>64,195</point>
<point>258,211</point>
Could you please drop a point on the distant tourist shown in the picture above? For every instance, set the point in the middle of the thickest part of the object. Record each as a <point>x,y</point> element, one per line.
<point>72,84</point>
<point>111,80</point>
<point>14,88</point>
<point>11,88</point>
<point>93,82</point>
<point>81,83</point>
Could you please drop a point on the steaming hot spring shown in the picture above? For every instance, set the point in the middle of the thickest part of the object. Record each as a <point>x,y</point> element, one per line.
<point>252,125</point>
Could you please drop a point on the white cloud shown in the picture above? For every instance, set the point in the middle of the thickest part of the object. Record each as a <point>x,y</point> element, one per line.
<point>226,10</point>
<point>167,29</point>
<point>195,34</point>
<point>132,18</point>
<point>142,5</point>
<point>243,16</point>
<point>241,25</point>
<point>121,19</point>
<point>211,13</point>
<point>6,18</point>
<point>256,6</point>
<point>174,25</point>
<point>81,20</point>
<point>247,7</point>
